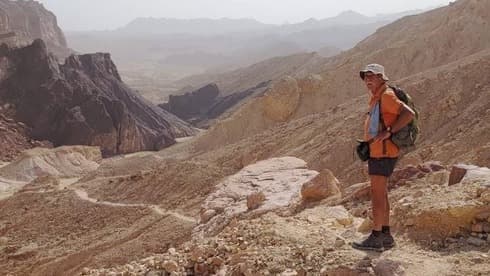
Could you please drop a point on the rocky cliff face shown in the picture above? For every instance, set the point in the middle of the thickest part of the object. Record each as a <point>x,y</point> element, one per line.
<point>192,104</point>
<point>82,102</point>
<point>202,106</point>
<point>23,21</point>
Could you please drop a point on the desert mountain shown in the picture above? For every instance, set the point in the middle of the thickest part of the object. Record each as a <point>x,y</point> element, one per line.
<point>163,26</point>
<point>83,102</point>
<point>21,22</point>
<point>153,53</point>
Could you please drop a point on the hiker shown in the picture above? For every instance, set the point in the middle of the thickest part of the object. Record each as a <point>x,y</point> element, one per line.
<point>387,115</point>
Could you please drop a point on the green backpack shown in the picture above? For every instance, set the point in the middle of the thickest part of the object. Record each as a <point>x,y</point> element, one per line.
<point>407,136</point>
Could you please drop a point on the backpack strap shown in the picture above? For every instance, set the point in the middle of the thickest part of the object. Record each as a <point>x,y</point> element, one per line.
<point>381,120</point>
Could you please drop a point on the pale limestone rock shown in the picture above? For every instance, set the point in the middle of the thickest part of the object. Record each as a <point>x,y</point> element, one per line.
<point>322,186</point>
<point>279,179</point>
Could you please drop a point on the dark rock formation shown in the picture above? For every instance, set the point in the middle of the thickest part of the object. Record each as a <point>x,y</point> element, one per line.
<point>194,104</point>
<point>206,103</point>
<point>82,102</point>
<point>21,22</point>
<point>223,104</point>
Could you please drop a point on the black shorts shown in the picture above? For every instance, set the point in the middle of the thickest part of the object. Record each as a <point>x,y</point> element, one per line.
<point>381,166</point>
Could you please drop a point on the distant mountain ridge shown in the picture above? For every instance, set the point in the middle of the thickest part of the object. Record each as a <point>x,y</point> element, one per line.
<point>153,53</point>
<point>202,26</point>
<point>207,26</point>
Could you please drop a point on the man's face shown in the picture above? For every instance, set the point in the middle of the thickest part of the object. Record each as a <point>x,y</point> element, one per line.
<point>372,81</point>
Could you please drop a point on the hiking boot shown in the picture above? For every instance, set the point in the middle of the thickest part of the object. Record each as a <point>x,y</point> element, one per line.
<point>388,241</point>
<point>374,242</point>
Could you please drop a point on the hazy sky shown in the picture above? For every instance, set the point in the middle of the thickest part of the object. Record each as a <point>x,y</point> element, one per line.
<point>110,14</point>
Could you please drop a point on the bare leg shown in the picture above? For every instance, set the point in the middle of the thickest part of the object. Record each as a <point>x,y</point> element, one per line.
<point>379,198</point>
<point>386,220</point>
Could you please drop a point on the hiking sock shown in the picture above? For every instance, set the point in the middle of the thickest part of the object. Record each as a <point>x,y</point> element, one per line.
<point>385,229</point>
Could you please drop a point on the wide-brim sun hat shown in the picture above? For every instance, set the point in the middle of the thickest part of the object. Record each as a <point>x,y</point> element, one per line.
<point>374,68</point>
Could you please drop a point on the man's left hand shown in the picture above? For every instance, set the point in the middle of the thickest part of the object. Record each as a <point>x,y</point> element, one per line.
<point>382,136</point>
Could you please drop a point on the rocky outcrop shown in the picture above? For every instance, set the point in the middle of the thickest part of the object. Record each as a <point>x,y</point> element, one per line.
<point>207,103</point>
<point>62,162</point>
<point>15,136</point>
<point>191,105</point>
<point>273,104</point>
<point>21,22</point>
<point>82,102</point>
<point>223,104</point>
<point>269,185</point>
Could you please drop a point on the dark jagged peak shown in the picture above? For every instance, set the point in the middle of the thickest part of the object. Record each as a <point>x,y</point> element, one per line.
<point>95,65</point>
<point>82,102</point>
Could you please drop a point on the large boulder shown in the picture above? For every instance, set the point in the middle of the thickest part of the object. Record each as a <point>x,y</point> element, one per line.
<point>282,99</point>
<point>322,186</point>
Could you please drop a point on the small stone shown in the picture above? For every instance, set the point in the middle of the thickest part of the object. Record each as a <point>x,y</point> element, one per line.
<point>478,228</point>
<point>206,215</point>
<point>201,268</point>
<point>452,240</point>
<point>197,253</point>
<point>339,242</point>
<point>301,272</point>
<point>406,199</point>
<point>485,197</point>
<point>170,266</point>
<point>154,273</point>
<point>486,227</point>
<point>217,261</point>
<point>327,250</point>
<point>418,194</point>
<point>289,272</point>
<point>85,271</point>
<point>457,174</point>
<point>4,241</point>
<point>476,241</point>
<point>389,267</point>
<point>409,222</point>
<point>243,246</point>
<point>477,260</point>
<point>483,216</point>
<point>255,200</point>
<point>235,259</point>
<point>172,251</point>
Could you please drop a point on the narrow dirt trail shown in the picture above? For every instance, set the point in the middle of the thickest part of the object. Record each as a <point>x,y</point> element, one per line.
<point>83,195</point>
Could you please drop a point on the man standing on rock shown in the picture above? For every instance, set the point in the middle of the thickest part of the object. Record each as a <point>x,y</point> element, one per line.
<point>387,115</point>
